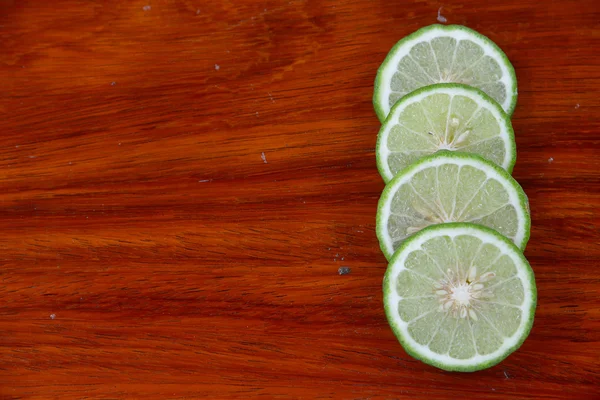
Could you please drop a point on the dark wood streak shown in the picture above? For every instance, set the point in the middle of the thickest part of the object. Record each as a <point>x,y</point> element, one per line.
<point>148,251</point>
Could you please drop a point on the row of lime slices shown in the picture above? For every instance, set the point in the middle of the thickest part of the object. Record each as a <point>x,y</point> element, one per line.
<point>458,292</point>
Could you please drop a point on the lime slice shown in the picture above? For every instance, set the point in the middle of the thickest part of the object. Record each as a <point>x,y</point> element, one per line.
<point>438,54</point>
<point>444,116</point>
<point>459,296</point>
<point>451,187</point>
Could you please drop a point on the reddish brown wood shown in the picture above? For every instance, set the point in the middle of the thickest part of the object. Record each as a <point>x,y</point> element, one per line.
<point>148,251</point>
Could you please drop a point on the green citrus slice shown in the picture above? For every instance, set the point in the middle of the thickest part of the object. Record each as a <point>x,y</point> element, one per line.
<point>444,116</point>
<point>451,187</point>
<point>459,296</point>
<point>444,53</point>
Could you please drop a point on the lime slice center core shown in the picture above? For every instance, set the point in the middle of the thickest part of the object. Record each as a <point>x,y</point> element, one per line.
<point>458,296</point>
<point>447,76</point>
<point>452,138</point>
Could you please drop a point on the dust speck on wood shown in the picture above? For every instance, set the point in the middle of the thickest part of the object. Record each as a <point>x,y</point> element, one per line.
<point>440,17</point>
<point>344,270</point>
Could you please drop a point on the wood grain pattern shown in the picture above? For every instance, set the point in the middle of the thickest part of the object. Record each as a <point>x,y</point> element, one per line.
<point>148,250</point>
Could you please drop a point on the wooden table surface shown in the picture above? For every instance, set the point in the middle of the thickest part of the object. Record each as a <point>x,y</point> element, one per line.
<point>181,180</point>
